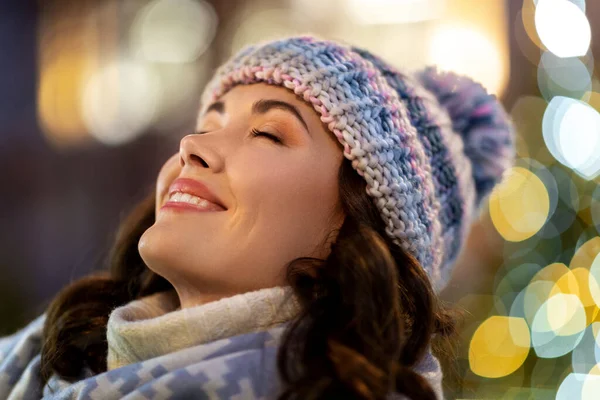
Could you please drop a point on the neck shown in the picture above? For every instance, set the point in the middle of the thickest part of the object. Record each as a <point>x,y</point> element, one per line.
<point>194,297</point>
<point>155,325</point>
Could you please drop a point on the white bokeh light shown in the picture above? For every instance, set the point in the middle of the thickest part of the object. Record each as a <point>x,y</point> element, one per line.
<point>393,11</point>
<point>567,77</point>
<point>173,31</point>
<point>583,358</point>
<point>120,101</point>
<point>578,3</point>
<point>594,280</point>
<point>579,386</point>
<point>579,130</point>
<point>460,49</point>
<point>558,326</point>
<point>562,27</point>
<point>562,314</point>
<point>253,28</point>
<point>571,131</point>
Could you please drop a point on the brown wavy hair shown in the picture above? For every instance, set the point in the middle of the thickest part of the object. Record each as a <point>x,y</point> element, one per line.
<point>368,311</point>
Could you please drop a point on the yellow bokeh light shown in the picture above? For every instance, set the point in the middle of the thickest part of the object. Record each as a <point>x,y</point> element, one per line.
<point>519,205</point>
<point>584,281</point>
<point>527,115</point>
<point>59,109</point>
<point>593,99</point>
<point>577,282</point>
<point>562,314</point>
<point>553,273</point>
<point>595,370</point>
<point>499,346</point>
<point>594,280</point>
<point>528,18</point>
<point>586,254</point>
<point>120,101</point>
<point>553,279</point>
<point>558,326</point>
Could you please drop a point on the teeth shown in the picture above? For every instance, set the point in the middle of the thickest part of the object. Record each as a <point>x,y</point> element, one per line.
<point>176,197</point>
<point>188,198</point>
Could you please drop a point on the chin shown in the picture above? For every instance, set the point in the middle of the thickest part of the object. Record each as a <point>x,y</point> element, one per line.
<point>165,254</point>
<point>153,250</point>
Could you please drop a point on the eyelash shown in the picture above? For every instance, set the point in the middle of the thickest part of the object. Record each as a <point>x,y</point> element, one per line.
<point>274,138</point>
<point>256,133</point>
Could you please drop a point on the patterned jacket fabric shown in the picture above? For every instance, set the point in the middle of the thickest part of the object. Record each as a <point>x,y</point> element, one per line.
<point>240,367</point>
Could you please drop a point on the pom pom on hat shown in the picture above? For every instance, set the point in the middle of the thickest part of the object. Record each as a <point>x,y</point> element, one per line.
<point>482,122</point>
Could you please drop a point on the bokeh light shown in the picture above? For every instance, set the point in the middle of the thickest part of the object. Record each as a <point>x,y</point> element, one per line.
<point>583,292</point>
<point>519,205</point>
<point>547,178</point>
<point>579,386</point>
<point>594,281</point>
<point>173,31</point>
<point>527,115</point>
<point>583,358</point>
<point>578,3</point>
<point>567,77</point>
<point>251,27</point>
<point>460,49</point>
<point>546,373</point>
<point>536,294</point>
<point>562,27</point>
<point>571,130</point>
<point>586,254</point>
<point>510,285</point>
<point>567,190</point>
<point>525,33</point>
<point>595,208</point>
<point>383,12</point>
<point>558,326</point>
<point>499,346</point>
<point>181,87</point>
<point>59,99</point>
<point>120,101</point>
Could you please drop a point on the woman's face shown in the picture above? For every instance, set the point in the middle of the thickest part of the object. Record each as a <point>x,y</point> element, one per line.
<point>279,199</point>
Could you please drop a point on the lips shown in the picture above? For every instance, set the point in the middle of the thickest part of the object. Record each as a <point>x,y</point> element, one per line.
<point>195,188</point>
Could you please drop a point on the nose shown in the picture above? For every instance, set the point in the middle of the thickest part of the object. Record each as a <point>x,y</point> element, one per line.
<point>194,152</point>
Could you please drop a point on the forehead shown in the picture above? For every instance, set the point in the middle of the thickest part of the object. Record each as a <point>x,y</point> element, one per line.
<point>238,103</point>
<point>259,91</point>
<point>241,98</point>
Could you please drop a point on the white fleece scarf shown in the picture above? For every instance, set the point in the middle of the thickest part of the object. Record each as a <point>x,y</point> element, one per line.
<point>155,325</point>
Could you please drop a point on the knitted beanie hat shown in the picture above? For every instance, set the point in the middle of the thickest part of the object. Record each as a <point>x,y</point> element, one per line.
<point>429,145</point>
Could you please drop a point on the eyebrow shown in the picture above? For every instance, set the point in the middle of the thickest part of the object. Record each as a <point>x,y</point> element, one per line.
<point>262,107</point>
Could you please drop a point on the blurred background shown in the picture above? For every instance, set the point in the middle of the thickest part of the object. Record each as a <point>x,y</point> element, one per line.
<point>97,95</point>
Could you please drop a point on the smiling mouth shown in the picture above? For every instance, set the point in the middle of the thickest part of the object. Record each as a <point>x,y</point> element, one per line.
<point>183,200</point>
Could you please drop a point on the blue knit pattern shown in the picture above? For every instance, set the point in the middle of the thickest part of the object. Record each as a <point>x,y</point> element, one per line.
<point>239,367</point>
<point>429,146</point>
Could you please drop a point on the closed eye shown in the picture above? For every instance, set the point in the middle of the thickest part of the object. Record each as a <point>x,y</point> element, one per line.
<point>274,138</point>
<point>255,133</point>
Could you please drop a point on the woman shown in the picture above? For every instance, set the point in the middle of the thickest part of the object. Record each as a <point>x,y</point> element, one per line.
<point>262,267</point>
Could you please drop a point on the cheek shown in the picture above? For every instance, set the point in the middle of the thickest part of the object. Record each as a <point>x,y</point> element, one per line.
<point>289,191</point>
<point>169,171</point>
